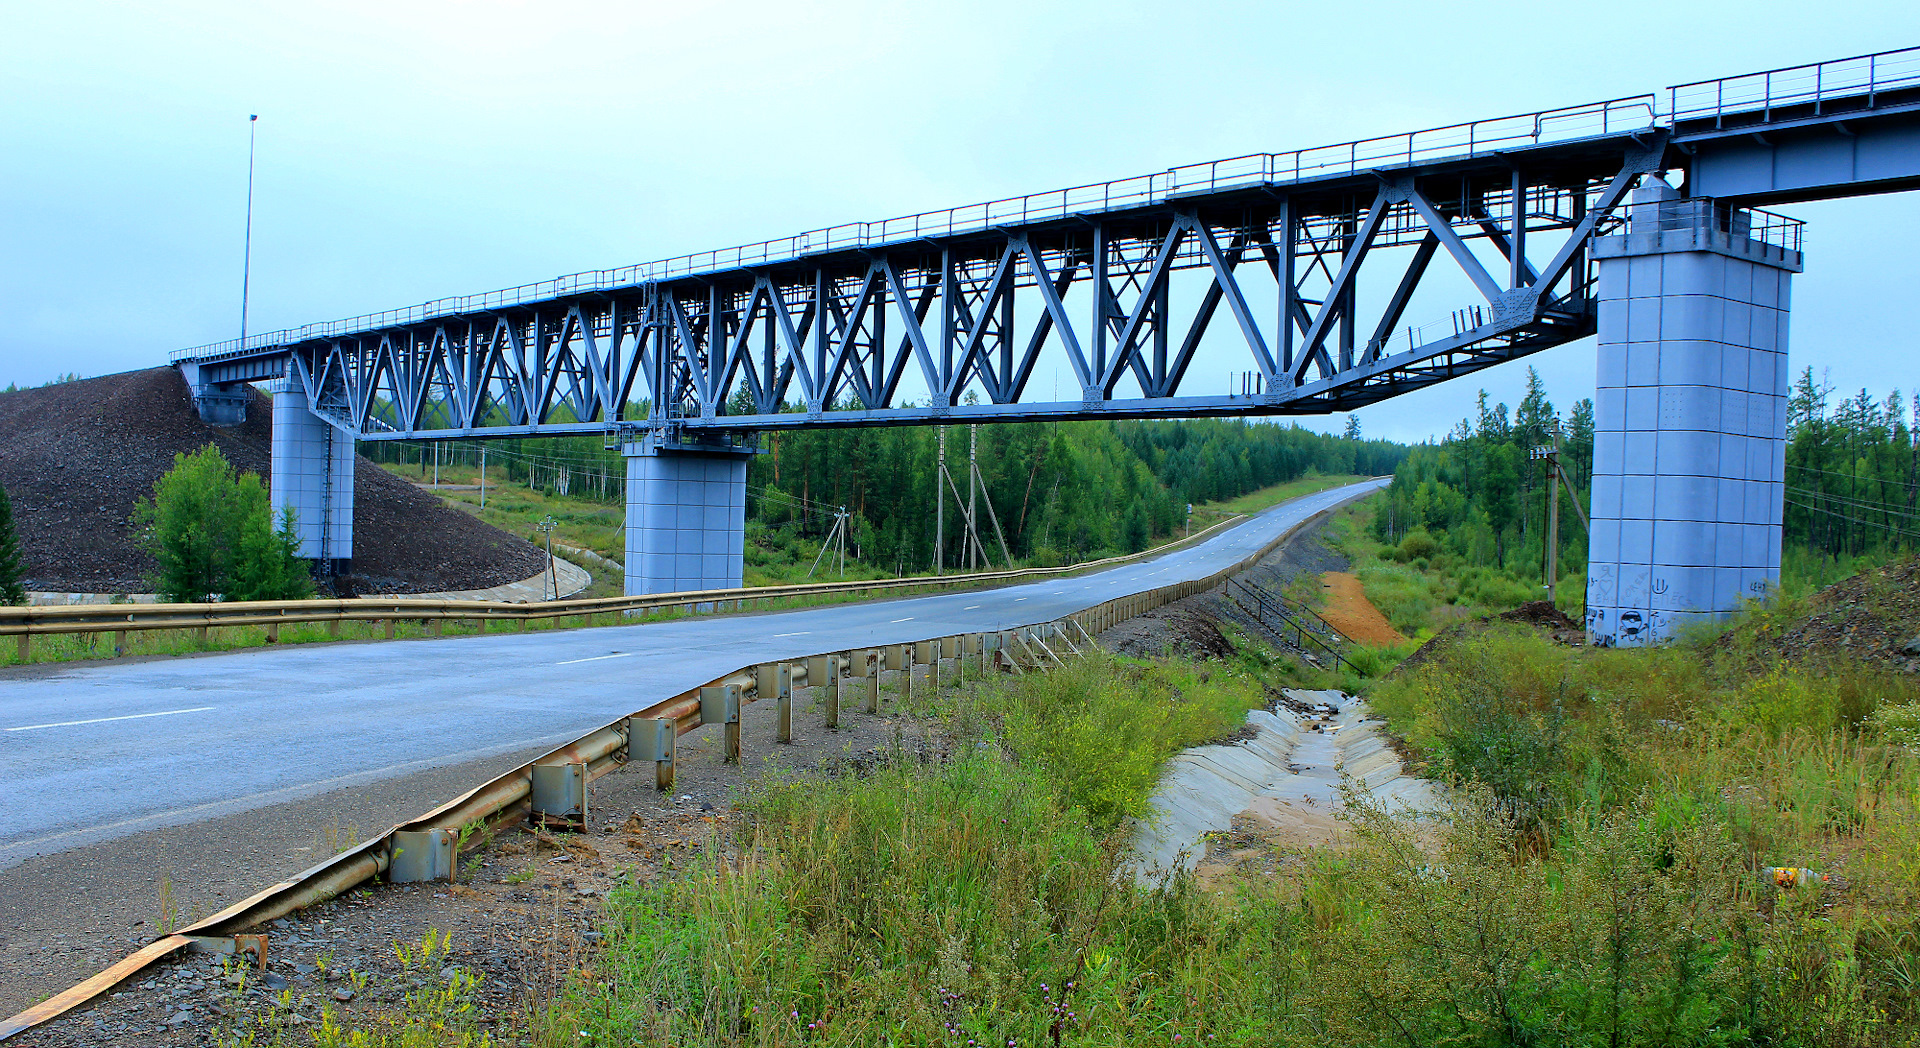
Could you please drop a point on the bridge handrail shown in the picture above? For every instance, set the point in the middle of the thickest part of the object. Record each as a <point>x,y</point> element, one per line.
<point>1815,83</point>
<point>1472,138</point>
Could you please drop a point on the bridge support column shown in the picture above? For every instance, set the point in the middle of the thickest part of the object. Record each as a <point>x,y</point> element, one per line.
<point>1690,418</point>
<point>686,517</point>
<point>313,474</point>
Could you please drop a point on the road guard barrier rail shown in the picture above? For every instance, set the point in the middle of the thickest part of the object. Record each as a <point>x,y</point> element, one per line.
<point>25,623</point>
<point>551,790</point>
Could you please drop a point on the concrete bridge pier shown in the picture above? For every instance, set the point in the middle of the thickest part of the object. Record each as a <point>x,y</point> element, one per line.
<point>686,516</point>
<point>313,474</point>
<point>1689,420</point>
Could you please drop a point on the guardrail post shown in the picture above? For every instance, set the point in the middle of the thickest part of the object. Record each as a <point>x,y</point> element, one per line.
<point>390,625</point>
<point>720,704</point>
<point>823,674</point>
<point>119,643</point>
<point>333,628</point>
<point>200,635</point>
<point>927,653</point>
<point>558,798</point>
<point>438,625</point>
<point>860,668</point>
<point>26,646</point>
<point>900,660</point>
<point>782,680</point>
<point>422,855</point>
<point>651,739</point>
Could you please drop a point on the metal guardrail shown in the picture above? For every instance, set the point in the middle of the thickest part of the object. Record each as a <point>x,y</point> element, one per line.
<point>1473,138</point>
<point>510,796</point>
<point>56,620</point>
<point>1266,604</point>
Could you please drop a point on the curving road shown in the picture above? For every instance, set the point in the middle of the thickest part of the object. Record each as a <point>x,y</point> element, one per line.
<point>98,751</point>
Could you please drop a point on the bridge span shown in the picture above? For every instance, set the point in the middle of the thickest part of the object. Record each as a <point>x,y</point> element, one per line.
<point>1307,280</point>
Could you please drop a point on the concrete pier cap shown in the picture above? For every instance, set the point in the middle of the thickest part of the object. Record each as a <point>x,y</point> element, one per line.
<point>1689,417</point>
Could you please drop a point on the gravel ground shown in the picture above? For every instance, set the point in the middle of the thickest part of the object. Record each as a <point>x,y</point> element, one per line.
<point>78,455</point>
<point>1874,615</point>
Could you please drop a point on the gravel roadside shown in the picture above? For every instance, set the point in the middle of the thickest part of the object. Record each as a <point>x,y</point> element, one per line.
<point>521,919</point>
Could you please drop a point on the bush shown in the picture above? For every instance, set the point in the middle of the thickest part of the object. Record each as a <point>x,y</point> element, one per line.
<point>1101,728</point>
<point>1417,544</point>
<point>1629,937</point>
<point>12,585</point>
<point>213,536</point>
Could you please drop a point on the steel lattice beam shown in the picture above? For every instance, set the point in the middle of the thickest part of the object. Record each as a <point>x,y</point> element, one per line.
<point>830,340</point>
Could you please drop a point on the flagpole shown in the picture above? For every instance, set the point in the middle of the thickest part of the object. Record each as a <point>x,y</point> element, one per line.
<point>246,265</point>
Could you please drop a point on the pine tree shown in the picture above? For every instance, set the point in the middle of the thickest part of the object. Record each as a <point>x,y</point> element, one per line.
<point>12,586</point>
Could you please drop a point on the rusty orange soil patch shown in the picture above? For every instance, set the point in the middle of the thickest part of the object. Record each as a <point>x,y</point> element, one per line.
<point>1350,612</point>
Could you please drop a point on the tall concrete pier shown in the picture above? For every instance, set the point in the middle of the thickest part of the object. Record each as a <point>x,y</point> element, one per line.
<point>1689,420</point>
<point>313,475</point>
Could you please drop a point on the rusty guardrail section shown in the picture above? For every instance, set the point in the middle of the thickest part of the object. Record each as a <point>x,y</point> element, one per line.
<point>427,848</point>
<point>119,619</point>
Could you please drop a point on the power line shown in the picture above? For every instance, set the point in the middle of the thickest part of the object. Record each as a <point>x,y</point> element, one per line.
<point>1856,520</point>
<point>1888,508</point>
<point>1848,476</point>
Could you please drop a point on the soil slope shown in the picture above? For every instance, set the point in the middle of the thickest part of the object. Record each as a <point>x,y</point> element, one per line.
<point>76,456</point>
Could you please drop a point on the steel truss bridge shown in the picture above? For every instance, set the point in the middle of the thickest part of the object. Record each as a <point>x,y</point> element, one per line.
<point>1302,266</point>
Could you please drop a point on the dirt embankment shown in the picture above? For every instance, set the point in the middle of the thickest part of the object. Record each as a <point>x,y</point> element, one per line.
<point>1874,615</point>
<point>1350,612</point>
<point>78,455</point>
<point>1192,628</point>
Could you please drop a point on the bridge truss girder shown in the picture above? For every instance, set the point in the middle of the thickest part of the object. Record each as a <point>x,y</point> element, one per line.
<point>902,335</point>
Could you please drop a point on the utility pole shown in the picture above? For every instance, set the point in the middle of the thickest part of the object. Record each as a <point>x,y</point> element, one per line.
<point>546,526</point>
<point>973,486</point>
<point>246,258</point>
<point>1556,482</point>
<point>940,506</point>
<point>1551,456</point>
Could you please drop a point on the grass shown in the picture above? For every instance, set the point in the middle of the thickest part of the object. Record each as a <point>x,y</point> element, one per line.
<point>1595,880</point>
<point>969,899</point>
<point>1723,761</point>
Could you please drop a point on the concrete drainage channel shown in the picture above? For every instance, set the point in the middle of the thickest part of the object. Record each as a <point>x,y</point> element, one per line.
<point>1286,777</point>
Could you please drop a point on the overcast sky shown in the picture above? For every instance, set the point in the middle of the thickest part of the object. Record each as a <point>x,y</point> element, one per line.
<point>412,151</point>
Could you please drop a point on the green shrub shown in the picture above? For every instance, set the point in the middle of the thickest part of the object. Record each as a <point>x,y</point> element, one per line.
<point>1899,725</point>
<point>212,534</point>
<point>12,587</point>
<point>1101,727</point>
<point>1417,544</point>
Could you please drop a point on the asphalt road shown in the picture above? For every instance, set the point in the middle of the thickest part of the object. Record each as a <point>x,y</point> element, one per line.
<point>93,752</point>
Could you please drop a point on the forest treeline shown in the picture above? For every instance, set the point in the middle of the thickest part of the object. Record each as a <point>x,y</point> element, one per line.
<point>1853,473</point>
<point>1061,492</point>
<point>1852,484</point>
<point>1480,494</point>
